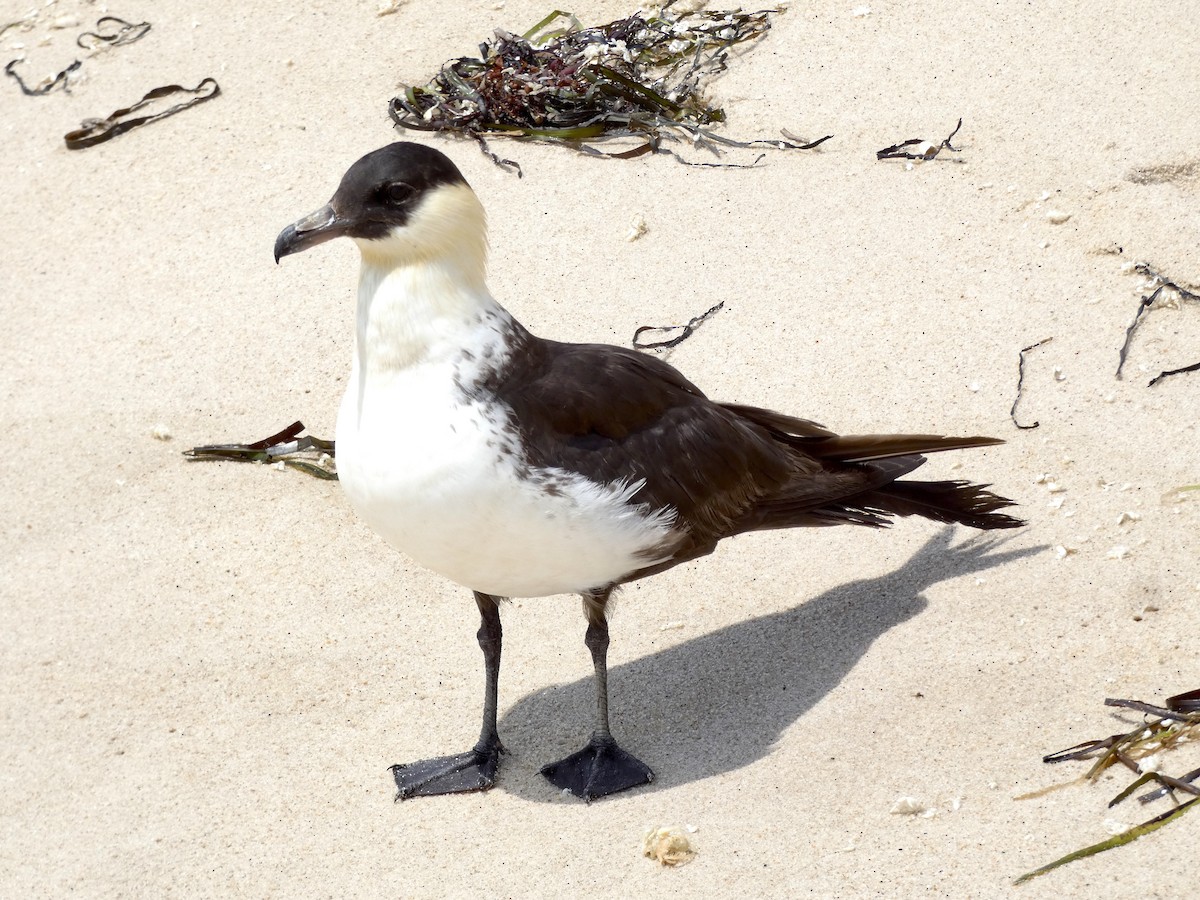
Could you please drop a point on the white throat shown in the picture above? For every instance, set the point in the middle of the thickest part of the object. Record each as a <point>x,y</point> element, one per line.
<point>422,287</point>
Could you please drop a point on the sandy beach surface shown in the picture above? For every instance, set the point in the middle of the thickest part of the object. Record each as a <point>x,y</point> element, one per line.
<point>207,668</point>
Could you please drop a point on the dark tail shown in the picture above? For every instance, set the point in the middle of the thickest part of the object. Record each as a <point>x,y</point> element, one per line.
<point>860,485</point>
<point>943,501</point>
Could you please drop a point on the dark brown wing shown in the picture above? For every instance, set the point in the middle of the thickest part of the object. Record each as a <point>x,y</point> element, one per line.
<point>609,413</point>
<point>613,414</point>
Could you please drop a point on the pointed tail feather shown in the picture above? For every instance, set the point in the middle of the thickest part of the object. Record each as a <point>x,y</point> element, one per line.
<point>819,441</point>
<point>958,502</point>
<point>868,447</point>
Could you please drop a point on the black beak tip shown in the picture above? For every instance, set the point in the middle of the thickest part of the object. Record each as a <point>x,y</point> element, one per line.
<point>313,229</point>
<point>283,243</point>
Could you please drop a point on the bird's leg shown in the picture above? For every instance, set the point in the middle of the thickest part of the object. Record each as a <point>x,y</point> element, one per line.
<point>474,770</point>
<point>601,767</point>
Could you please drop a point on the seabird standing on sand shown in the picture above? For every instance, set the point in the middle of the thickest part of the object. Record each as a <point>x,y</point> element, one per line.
<point>519,466</point>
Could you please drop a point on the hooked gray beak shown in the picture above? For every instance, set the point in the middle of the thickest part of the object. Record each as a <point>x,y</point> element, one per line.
<point>315,228</point>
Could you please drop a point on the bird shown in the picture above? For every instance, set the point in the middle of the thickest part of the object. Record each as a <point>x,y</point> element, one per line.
<point>519,466</point>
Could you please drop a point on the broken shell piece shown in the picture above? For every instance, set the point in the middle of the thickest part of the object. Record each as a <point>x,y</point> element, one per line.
<point>1128,517</point>
<point>860,11</point>
<point>1118,552</point>
<point>973,387</point>
<point>1113,827</point>
<point>911,806</point>
<point>637,228</point>
<point>160,432</point>
<point>669,845</point>
<point>1151,763</point>
<point>1056,502</point>
<point>1055,488</point>
<point>1061,552</point>
<point>1058,374</point>
<point>1056,217</point>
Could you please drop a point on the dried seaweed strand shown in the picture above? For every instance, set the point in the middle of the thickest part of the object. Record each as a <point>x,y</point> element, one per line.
<point>1119,840</point>
<point>641,76</point>
<point>1183,782</point>
<point>126,33</point>
<point>45,88</point>
<point>309,454</point>
<point>97,131</point>
<point>1143,306</point>
<point>1012,413</point>
<point>1194,367</point>
<point>897,151</point>
<point>1178,720</point>
<point>687,330</point>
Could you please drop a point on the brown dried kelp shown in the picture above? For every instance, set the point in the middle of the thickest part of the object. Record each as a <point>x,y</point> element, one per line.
<point>642,76</point>
<point>1012,413</point>
<point>685,331</point>
<point>47,85</point>
<point>1194,367</point>
<point>924,149</point>
<point>1160,283</point>
<point>97,131</point>
<point>307,453</point>
<point>123,33</point>
<point>1176,722</point>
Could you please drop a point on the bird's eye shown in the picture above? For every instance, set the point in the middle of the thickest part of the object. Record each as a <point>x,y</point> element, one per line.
<point>397,193</point>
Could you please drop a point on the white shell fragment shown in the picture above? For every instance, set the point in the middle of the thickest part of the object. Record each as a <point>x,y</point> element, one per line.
<point>1057,217</point>
<point>669,845</point>
<point>161,432</point>
<point>1118,552</point>
<point>860,11</point>
<point>911,806</point>
<point>1062,552</point>
<point>637,228</point>
<point>1128,517</point>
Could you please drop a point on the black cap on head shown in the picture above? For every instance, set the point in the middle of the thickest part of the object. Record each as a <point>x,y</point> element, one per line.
<point>378,193</point>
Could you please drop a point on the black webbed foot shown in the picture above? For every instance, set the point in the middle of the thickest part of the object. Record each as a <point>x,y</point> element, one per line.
<point>599,769</point>
<point>474,770</point>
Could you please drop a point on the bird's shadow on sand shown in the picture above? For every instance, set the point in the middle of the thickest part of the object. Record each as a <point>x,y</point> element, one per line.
<point>720,701</point>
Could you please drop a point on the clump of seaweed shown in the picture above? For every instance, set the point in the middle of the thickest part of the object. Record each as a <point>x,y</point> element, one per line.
<point>1160,283</point>
<point>642,76</point>
<point>289,447</point>
<point>1139,750</point>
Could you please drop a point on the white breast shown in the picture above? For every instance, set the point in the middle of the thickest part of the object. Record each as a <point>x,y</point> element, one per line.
<point>432,464</point>
<point>440,477</point>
